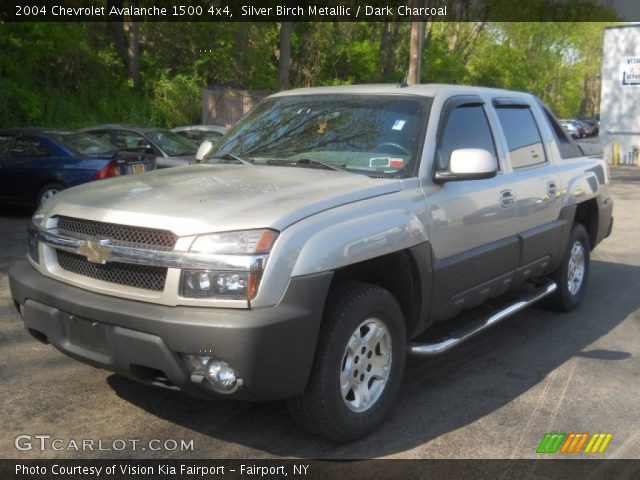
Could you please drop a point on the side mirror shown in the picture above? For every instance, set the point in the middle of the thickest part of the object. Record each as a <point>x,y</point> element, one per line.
<point>469,164</point>
<point>203,150</point>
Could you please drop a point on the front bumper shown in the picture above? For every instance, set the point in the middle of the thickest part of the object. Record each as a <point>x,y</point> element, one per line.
<point>272,349</point>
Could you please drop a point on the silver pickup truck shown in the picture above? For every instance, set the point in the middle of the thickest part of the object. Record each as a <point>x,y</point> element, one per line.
<point>322,240</point>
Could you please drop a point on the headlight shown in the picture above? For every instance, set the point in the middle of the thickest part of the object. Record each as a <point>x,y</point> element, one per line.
<point>211,284</point>
<point>232,285</point>
<point>251,241</point>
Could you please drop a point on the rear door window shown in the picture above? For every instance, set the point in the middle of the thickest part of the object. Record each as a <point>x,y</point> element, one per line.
<point>5,144</point>
<point>522,135</point>
<point>127,139</point>
<point>27,147</point>
<point>566,145</point>
<point>104,135</point>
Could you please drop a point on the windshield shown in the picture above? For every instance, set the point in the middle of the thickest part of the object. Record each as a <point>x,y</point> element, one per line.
<point>372,134</point>
<point>171,143</point>
<point>85,144</point>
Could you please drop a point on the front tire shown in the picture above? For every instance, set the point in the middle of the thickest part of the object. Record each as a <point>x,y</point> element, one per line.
<point>358,367</point>
<point>571,276</point>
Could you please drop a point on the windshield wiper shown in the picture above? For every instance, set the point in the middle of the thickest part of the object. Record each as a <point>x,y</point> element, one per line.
<point>308,162</point>
<point>232,156</point>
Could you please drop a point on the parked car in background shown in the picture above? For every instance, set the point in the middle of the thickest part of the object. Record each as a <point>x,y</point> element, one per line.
<point>35,164</point>
<point>571,127</point>
<point>586,129</point>
<point>169,148</point>
<point>577,128</point>
<point>593,123</point>
<point>199,133</point>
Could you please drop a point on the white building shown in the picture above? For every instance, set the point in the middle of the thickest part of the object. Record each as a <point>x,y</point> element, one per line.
<point>620,97</point>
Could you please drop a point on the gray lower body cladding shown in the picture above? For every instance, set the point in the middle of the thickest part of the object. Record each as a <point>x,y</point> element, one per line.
<point>272,349</point>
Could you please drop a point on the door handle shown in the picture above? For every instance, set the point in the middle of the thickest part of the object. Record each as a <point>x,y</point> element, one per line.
<point>507,198</point>
<point>552,189</point>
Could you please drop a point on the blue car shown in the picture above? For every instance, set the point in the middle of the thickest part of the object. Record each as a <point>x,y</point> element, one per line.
<point>35,164</point>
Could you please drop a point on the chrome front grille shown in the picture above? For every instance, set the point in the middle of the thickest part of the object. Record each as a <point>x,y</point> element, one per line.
<point>124,235</point>
<point>128,274</point>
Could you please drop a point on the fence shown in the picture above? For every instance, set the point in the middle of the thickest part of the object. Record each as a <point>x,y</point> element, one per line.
<point>225,106</point>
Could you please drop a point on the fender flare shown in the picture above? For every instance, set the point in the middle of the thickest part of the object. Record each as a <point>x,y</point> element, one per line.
<point>358,240</point>
<point>581,188</point>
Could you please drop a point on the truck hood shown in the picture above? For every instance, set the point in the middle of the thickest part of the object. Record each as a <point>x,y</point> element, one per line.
<point>209,198</point>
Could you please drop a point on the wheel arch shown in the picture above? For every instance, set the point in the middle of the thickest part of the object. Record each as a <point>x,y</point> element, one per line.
<point>587,215</point>
<point>405,274</point>
<point>40,184</point>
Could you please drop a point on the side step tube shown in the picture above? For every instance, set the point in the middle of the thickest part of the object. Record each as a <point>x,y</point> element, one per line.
<point>433,349</point>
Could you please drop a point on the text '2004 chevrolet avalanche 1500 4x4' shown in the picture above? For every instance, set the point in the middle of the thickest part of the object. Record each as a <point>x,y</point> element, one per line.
<point>308,253</point>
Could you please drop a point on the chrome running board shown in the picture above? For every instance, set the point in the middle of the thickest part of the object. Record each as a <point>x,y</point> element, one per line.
<point>438,348</point>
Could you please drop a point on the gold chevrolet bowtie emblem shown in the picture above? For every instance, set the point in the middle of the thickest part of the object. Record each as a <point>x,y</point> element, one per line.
<point>96,250</point>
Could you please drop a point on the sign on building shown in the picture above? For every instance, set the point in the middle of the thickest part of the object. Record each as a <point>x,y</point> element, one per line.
<point>630,72</point>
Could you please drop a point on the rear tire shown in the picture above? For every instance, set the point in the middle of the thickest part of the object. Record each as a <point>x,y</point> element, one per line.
<point>358,366</point>
<point>47,192</point>
<point>572,274</point>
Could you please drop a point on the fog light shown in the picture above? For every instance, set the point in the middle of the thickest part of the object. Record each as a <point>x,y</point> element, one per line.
<point>197,363</point>
<point>221,375</point>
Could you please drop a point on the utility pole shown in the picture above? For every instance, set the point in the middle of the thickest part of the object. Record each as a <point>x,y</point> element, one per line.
<point>415,51</point>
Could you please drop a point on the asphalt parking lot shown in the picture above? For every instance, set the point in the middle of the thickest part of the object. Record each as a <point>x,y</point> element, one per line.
<point>494,397</point>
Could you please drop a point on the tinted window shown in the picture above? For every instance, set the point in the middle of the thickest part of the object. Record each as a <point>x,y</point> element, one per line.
<point>192,135</point>
<point>5,144</point>
<point>171,143</point>
<point>466,127</point>
<point>125,139</point>
<point>199,136</point>
<point>103,135</point>
<point>27,147</point>
<point>84,144</point>
<point>566,145</point>
<point>523,137</point>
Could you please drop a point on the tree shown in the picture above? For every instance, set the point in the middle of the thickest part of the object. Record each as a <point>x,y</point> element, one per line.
<point>55,74</point>
<point>415,49</point>
<point>115,29</point>
<point>284,62</point>
<point>415,53</point>
<point>134,47</point>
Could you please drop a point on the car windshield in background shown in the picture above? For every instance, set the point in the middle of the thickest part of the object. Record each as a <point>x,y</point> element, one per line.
<point>84,144</point>
<point>171,143</point>
<point>373,134</point>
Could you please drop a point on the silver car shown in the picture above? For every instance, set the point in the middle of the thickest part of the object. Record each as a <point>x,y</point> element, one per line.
<point>170,149</point>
